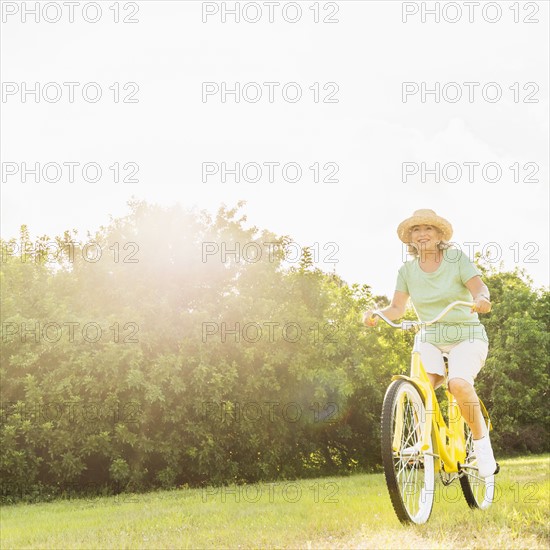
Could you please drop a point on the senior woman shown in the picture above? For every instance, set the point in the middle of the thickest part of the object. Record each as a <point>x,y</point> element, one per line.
<point>437,276</point>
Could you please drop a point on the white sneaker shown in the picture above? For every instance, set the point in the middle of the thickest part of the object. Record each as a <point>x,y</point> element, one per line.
<point>486,463</point>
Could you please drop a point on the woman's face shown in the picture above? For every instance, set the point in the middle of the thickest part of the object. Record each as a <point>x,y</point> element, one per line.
<point>425,237</point>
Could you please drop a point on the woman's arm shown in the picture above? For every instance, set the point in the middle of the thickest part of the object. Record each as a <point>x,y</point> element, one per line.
<point>480,293</point>
<point>394,311</point>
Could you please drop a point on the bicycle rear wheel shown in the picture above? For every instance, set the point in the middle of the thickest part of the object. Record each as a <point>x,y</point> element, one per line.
<point>409,471</point>
<point>479,492</point>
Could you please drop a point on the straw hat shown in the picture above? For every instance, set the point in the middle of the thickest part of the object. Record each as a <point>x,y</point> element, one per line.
<point>424,216</point>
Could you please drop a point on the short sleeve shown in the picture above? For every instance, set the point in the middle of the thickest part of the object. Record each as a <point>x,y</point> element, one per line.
<point>401,283</point>
<point>467,268</point>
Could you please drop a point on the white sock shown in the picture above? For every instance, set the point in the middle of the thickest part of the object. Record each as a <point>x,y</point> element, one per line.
<point>485,434</point>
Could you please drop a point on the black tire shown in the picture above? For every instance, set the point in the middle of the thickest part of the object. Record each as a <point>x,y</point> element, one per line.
<point>409,472</point>
<point>479,492</point>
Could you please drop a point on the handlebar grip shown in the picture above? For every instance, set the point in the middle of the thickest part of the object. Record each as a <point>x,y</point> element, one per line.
<point>371,319</point>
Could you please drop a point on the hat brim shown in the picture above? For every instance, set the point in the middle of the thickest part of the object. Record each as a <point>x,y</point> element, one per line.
<point>404,228</point>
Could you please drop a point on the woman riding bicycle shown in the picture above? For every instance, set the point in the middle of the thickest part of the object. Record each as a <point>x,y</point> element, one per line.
<point>437,276</point>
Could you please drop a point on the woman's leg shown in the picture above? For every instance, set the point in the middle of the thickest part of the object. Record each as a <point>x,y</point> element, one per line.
<point>435,379</point>
<point>468,401</point>
<point>432,360</point>
<point>465,361</point>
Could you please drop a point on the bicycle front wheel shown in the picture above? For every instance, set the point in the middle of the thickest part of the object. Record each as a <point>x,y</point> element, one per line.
<point>409,471</point>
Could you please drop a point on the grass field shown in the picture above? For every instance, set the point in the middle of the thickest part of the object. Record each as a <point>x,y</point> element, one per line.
<point>350,512</point>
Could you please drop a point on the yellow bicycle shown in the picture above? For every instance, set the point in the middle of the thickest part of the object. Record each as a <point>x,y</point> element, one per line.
<point>417,442</point>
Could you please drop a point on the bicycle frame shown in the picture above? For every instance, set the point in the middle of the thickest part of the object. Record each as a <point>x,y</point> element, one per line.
<point>449,444</point>
<point>450,453</point>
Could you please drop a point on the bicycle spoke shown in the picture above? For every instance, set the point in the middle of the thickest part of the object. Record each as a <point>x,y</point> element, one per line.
<point>408,466</point>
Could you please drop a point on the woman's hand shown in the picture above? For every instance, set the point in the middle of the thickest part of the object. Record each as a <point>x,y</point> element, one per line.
<point>368,319</point>
<point>481,305</point>
<point>479,291</point>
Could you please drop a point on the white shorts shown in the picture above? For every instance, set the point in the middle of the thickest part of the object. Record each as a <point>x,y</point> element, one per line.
<point>465,358</point>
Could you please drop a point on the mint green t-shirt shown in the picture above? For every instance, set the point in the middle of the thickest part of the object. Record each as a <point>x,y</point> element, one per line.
<point>432,292</point>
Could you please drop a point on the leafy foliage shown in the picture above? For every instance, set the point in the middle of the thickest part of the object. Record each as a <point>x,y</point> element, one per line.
<point>154,356</point>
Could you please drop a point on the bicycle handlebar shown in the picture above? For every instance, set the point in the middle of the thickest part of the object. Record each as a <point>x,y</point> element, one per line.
<point>408,325</point>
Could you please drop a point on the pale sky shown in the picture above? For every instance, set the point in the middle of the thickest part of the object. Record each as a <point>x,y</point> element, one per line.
<point>170,132</point>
